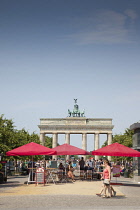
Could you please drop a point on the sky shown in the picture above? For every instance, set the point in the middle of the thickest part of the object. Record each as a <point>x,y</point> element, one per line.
<point>55,51</point>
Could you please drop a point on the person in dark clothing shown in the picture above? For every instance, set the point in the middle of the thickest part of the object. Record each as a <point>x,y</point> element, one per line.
<point>87,167</point>
<point>82,163</point>
<point>61,167</point>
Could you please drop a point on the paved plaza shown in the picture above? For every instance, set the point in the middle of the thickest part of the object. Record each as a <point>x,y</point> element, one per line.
<point>78,195</point>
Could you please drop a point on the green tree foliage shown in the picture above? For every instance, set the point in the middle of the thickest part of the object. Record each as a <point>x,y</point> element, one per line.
<point>6,134</point>
<point>125,139</point>
<point>48,141</point>
<point>23,137</point>
<point>11,138</point>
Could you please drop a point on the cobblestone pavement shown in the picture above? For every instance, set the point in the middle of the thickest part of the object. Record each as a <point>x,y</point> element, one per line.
<point>78,195</point>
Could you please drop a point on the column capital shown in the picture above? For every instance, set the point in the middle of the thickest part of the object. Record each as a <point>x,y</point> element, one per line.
<point>109,132</point>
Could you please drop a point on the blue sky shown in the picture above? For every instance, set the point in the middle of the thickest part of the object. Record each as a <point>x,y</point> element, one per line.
<point>52,51</point>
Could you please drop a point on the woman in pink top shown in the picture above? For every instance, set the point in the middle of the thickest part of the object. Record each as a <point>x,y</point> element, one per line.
<point>107,177</point>
<point>106,173</point>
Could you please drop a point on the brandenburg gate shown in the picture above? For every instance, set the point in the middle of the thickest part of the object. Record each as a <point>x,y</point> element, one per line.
<point>76,123</point>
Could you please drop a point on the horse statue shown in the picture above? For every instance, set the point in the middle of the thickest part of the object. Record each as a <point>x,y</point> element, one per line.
<point>83,113</point>
<point>69,113</point>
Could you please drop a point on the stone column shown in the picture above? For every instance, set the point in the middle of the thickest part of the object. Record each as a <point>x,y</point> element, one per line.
<point>42,138</point>
<point>54,143</point>
<point>84,143</point>
<point>109,138</point>
<point>109,141</point>
<point>67,141</point>
<point>96,144</point>
<point>67,138</point>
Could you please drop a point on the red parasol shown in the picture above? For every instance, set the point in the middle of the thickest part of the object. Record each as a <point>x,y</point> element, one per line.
<point>31,149</point>
<point>67,149</point>
<point>116,149</point>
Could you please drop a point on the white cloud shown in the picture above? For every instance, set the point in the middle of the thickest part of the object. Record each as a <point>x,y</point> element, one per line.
<point>104,26</point>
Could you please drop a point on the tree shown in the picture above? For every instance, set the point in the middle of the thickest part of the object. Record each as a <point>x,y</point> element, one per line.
<point>6,134</point>
<point>125,139</point>
<point>48,141</point>
<point>23,137</point>
<point>11,138</point>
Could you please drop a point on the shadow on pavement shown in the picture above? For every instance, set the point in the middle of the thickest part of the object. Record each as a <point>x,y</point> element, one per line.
<point>13,181</point>
<point>131,185</point>
<point>10,184</point>
<point>118,197</point>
